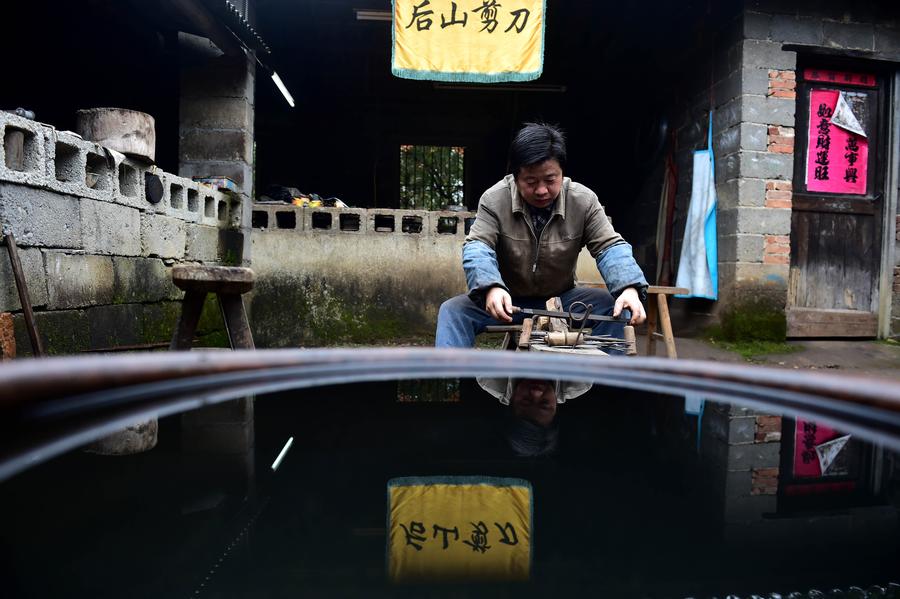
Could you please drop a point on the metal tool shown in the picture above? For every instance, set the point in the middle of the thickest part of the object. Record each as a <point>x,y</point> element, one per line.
<point>570,314</point>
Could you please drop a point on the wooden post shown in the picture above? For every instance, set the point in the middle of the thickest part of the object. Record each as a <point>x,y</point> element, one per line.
<point>651,328</point>
<point>666,325</point>
<point>37,346</point>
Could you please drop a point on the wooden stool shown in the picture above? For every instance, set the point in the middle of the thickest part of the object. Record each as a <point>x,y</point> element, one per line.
<point>228,283</point>
<point>657,313</point>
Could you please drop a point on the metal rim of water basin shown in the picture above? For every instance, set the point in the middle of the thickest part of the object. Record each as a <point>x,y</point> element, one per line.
<point>51,406</point>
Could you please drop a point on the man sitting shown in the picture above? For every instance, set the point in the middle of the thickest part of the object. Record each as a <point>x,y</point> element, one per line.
<point>523,247</point>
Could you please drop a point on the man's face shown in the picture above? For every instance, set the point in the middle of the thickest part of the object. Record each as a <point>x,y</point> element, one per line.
<point>535,401</point>
<point>539,183</point>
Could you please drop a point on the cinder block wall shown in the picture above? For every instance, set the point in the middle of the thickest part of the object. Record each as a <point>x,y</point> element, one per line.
<point>753,91</point>
<point>328,276</point>
<point>97,258</point>
<point>741,450</point>
<point>216,129</point>
<point>763,195</point>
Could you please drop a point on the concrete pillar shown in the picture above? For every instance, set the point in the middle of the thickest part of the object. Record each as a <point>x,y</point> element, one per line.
<point>219,457</point>
<point>741,454</point>
<point>216,124</point>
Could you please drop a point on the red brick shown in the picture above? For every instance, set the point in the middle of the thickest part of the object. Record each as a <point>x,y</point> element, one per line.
<point>7,337</point>
<point>782,84</point>
<point>789,75</point>
<point>779,204</point>
<point>778,248</point>
<point>778,238</point>
<point>773,194</point>
<point>776,259</point>
<point>774,184</point>
<point>787,140</point>
<point>781,149</point>
<point>764,481</point>
<point>784,93</point>
<point>766,472</point>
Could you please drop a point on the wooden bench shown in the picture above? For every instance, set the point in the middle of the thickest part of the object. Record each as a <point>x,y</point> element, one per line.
<point>657,314</point>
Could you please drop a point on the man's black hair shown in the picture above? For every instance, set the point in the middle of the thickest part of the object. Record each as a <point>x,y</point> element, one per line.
<point>536,143</point>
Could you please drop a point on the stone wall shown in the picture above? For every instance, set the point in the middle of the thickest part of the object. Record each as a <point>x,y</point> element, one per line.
<point>97,257</point>
<point>376,276</point>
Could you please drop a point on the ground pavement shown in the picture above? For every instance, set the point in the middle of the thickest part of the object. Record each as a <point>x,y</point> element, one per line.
<point>878,358</point>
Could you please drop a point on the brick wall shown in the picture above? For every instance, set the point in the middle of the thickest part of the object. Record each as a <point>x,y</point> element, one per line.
<point>741,450</point>
<point>96,257</point>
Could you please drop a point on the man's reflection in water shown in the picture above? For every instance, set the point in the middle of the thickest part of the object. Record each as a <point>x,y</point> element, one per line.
<point>532,426</point>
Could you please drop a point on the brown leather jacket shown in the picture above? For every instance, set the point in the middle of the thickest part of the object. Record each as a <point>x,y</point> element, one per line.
<point>540,266</point>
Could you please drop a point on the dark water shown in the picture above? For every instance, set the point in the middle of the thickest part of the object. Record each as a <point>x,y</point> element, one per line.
<point>624,503</point>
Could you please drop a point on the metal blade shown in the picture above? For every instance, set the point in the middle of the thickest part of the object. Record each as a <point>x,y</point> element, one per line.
<point>573,316</point>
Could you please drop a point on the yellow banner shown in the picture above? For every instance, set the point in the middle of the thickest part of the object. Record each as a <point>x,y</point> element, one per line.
<point>480,41</point>
<point>459,529</point>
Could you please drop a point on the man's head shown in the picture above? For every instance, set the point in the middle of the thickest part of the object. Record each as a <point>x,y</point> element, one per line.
<point>535,401</point>
<point>536,159</point>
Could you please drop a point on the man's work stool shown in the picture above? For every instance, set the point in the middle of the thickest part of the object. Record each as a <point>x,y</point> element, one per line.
<point>228,283</point>
<point>657,314</point>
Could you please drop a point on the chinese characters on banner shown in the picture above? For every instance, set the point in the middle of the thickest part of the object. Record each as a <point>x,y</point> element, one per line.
<point>841,77</point>
<point>837,160</point>
<point>807,460</point>
<point>479,41</point>
<point>459,529</point>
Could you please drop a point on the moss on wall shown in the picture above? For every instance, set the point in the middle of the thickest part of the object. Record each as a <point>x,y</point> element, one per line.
<point>108,327</point>
<point>757,320</point>
<point>285,312</point>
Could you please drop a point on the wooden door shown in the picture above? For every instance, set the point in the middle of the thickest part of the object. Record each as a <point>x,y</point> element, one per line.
<point>837,206</point>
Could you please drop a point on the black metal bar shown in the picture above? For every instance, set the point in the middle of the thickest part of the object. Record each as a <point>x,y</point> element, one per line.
<point>569,315</point>
<point>37,346</point>
<point>50,407</point>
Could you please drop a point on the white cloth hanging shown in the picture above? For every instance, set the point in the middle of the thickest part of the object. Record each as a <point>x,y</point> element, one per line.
<point>698,268</point>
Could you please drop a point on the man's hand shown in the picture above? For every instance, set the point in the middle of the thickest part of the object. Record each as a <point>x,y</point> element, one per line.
<point>629,299</point>
<point>499,304</point>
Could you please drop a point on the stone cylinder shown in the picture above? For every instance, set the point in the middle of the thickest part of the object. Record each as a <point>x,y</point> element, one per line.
<point>133,439</point>
<point>127,131</point>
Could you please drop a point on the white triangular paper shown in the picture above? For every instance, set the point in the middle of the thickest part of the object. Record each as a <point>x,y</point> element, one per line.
<point>829,451</point>
<point>844,118</point>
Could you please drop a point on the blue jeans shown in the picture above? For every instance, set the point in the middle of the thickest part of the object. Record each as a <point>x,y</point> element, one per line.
<point>460,319</point>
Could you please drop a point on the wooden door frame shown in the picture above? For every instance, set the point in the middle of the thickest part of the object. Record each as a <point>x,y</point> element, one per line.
<point>889,161</point>
<point>891,194</point>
